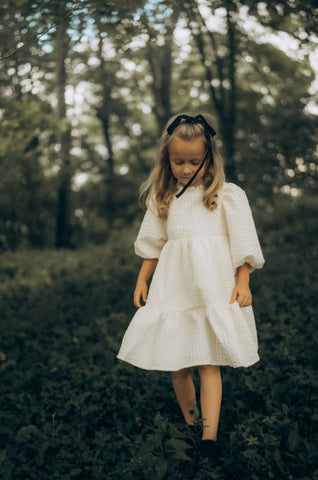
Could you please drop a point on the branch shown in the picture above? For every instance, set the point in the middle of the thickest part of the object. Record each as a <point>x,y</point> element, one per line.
<point>35,38</point>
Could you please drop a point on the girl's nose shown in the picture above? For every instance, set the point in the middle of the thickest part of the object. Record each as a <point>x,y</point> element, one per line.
<point>187,170</point>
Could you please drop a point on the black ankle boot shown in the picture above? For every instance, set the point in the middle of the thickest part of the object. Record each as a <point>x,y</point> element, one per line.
<point>209,453</point>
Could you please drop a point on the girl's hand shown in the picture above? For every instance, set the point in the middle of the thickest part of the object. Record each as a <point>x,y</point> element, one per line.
<point>140,292</point>
<point>242,294</point>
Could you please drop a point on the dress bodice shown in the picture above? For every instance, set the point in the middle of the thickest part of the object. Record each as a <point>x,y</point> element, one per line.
<point>187,218</point>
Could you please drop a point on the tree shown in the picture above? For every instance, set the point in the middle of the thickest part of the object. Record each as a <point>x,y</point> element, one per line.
<point>159,53</point>
<point>247,80</point>
<point>63,227</point>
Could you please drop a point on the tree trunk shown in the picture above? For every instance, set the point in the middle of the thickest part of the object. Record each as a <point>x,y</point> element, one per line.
<point>160,62</point>
<point>230,127</point>
<point>63,228</point>
<point>104,113</point>
<point>109,175</point>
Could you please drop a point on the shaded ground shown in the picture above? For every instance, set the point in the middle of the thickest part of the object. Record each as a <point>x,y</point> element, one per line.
<point>70,410</point>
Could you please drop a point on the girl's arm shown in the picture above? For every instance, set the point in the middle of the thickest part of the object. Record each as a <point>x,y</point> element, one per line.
<point>141,290</point>
<point>242,292</point>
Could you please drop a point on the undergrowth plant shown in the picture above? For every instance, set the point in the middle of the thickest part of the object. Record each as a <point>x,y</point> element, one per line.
<point>70,410</point>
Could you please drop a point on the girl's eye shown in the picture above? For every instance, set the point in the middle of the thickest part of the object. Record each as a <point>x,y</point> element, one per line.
<point>181,162</point>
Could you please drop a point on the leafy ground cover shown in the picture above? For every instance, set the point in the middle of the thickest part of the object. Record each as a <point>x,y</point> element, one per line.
<point>70,410</point>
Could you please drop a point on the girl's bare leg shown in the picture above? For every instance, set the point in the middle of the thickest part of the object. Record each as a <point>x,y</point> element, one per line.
<point>210,397</point>
<point>185,392</point>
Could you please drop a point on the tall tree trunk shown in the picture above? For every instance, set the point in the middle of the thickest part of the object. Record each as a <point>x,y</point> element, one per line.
<point>104,114</point>
<point>109,175</point>
<point>160,62</point>
<point>230,126</point>
<point>63,228</point>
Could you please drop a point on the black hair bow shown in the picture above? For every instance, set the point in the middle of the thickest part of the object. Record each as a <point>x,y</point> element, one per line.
<point>191,121</point>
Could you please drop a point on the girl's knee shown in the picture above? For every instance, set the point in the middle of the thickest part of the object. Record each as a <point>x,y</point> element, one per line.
<point>209,370</point>
<point>183,373</point>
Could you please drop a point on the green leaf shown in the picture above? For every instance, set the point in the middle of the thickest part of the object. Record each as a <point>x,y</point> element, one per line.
<point>75,472</point>
<point>293,439</point>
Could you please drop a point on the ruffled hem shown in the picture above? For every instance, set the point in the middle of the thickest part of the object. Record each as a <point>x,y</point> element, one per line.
<point>158,368</point>
<point>170,341</point>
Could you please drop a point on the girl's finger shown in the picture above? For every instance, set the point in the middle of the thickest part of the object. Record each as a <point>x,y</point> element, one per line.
<point>242,300</point>
<point>234,295</point>
<point>144,296</point>
<point>245,301</point>
<point>137,300</point>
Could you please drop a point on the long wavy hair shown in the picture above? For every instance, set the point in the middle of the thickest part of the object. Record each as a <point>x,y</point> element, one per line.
<point>162,185</point>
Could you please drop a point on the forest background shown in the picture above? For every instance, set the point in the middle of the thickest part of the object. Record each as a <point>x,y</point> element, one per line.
<point>86,89</point>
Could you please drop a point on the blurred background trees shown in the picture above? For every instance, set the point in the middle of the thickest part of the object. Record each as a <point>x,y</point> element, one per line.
<point>87,87</point>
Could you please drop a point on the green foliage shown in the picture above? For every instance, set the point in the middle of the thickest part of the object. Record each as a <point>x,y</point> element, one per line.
<point>69,409</point>
<point>27,193</point>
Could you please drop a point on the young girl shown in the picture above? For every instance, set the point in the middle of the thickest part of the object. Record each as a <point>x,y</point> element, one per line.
<point>199,239</point>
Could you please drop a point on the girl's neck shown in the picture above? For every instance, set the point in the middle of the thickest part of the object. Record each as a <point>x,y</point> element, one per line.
<point>193,185</point>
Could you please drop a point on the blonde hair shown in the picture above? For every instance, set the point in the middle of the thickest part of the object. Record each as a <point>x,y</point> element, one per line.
<point>162,185</point>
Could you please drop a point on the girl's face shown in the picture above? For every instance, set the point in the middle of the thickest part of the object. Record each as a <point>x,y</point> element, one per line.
<point>185,157</point>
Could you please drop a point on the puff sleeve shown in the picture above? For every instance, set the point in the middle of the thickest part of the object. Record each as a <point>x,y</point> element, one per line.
<point>152,234</point>
<point>244,244</point>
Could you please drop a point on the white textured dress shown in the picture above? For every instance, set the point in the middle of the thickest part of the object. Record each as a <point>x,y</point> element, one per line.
<point>188,320</point>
